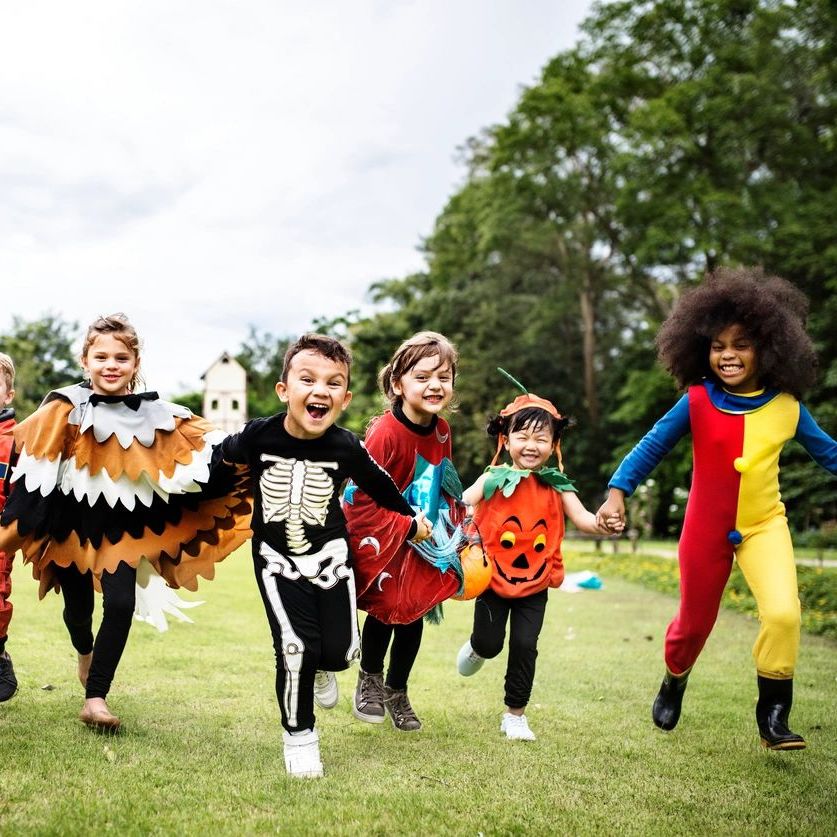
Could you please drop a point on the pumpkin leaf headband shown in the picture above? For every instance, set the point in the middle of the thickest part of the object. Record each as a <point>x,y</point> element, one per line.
<point>522,402</point>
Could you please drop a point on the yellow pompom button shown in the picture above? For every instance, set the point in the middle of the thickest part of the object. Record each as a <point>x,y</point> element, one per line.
<point>741,464</point>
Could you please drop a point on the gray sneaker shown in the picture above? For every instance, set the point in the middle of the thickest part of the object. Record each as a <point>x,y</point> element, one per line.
<point>368,704</point>
<point>400,711</point>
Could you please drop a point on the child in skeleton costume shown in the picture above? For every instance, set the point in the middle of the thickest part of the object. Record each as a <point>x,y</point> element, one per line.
<point>397,582</point>
<point>104,478</point>
<point>738,343</point>
<point>520,510</point>
<point>8,681</point>
<point>298,461</point>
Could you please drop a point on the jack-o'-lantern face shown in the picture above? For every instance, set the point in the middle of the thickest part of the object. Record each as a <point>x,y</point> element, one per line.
<point>522,535</point>
<point>523,559</point>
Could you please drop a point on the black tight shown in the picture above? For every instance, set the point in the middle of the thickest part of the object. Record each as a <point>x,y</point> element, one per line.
<point>406,640</point>
<point>118,600</point>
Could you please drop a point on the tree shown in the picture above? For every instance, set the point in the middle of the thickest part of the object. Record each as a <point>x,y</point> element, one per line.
<point>42,351</point>
<point>262,355</point>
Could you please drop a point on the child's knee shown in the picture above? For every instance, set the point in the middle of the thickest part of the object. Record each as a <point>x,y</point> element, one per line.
<point>523,646</point>
<point>487,648</point>
<point>120,604</point>
<point>782,621</point>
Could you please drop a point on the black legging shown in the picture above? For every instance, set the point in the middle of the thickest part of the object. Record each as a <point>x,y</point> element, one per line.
<point>406,640</point>
<point>118,600</point>
<point>491,613</point>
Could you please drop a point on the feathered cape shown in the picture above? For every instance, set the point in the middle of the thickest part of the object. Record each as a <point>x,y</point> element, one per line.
<point>104,479</point>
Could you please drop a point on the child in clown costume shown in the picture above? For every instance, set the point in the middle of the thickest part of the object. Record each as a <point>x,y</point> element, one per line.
<point>738,344</point>
<point>398,583</point>
<point>519,511</point>
<point>105,479</point>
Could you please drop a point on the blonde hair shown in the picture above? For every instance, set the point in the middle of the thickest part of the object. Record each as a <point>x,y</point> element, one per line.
<point>120,327</point>
<point>7,370</point>
<point>409,353</point>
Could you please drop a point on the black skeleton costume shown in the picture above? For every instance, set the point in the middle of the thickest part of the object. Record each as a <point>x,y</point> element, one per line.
<point>300,551</point>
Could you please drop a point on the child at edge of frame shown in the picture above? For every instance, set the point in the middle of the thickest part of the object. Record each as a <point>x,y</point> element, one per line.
<point>8,681</point>
<point>519,510</point>
<point>107,482</point>
<point>298,460</point>
<point>737,344</point>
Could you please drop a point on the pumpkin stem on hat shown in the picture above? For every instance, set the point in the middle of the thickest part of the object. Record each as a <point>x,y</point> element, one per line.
<point>513,380</point>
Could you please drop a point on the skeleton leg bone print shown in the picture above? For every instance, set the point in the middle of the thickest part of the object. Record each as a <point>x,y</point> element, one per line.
<point>324,570</point>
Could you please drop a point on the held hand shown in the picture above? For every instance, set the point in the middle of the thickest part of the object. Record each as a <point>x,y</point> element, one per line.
<point>424,529</point>
<point>611,513</point>
<point>615,524</point>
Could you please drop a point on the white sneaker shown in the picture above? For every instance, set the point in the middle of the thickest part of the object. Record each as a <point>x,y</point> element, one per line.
<point>325,689</point>
<point>302,754</point>
<point>468,662</point>
<point>516,727</point>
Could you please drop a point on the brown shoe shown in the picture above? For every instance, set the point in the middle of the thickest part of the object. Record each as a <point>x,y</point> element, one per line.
<point>400,710</point>
<point>101,720</point>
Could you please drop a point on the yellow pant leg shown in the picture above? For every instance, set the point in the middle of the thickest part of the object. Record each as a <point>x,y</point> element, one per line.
<point>766,559</point>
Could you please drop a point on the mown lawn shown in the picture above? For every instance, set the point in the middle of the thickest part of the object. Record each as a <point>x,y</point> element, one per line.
<point>201,750</point>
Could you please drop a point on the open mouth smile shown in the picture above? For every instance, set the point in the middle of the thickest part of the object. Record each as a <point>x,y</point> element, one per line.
<point>317,411</point>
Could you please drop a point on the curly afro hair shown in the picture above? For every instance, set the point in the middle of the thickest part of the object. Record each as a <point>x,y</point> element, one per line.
<point>770,310</point>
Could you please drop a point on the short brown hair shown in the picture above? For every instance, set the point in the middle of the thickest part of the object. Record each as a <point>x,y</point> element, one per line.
<point>323,345</point>
<point>410,352</point>
<point>7,370</point>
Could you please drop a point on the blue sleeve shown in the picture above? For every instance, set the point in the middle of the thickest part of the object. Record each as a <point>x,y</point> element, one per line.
<point>821,447</point>
<point>652,447</point>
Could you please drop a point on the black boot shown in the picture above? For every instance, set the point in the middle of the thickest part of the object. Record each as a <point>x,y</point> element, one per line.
<point>772,710</point>
<point>666,708</point>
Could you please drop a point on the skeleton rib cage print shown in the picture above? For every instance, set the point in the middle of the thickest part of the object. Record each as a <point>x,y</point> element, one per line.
<point>296,492</point>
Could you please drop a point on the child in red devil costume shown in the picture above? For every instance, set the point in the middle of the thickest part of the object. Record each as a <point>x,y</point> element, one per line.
<point>737,342</point>
<point>519,510</point>
<point>398,583</point>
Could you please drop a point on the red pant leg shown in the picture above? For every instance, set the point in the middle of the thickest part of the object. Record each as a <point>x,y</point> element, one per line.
<point>5,592</point>
<point>705,564</point>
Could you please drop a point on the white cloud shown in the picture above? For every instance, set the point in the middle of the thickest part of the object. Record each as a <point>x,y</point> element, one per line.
<point>207,165</point>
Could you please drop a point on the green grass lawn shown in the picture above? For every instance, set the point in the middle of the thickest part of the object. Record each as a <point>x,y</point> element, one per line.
<point>201,751</point>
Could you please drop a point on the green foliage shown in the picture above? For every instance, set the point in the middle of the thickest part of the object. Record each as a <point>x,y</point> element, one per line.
<point>42,351</point>
<point>817,586</point>
<point>192,400</point>
<point>262,355</point>
<point>678,135</point>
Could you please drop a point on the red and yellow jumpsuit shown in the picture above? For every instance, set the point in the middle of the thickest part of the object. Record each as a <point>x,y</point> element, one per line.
<point>734,510</point>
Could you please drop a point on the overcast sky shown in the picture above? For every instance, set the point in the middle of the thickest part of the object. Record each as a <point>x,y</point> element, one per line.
<point>204,166</point>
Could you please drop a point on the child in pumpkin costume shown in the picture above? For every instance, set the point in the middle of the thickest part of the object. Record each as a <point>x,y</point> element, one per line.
<point>737,342</point>
<point>519,510</point>
<point>105,478</point>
